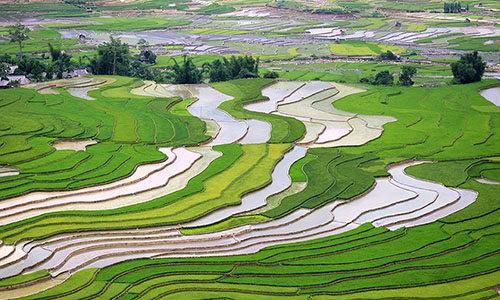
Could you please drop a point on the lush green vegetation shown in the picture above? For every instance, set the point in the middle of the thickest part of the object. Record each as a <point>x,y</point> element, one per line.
<point>42,7</point>
<point>470,68</point>
<point>214,8</point>
<point>476,43</point>
<point>145,5</point>
<point>456,257</point>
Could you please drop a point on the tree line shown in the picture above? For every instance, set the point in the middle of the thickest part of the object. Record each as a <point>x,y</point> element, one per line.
<point>469,68</point>
<point>453,7</point>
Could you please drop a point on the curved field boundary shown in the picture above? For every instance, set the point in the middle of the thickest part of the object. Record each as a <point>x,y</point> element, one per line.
<point>110,196</point>
<point>163,213</point>
<point>345,217</point>
<point>284,130</point>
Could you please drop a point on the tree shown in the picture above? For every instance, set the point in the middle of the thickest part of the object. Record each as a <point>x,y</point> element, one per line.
<point>271,74</point>
<point>453,7</point>
<point>61,62</point>
<point>388,55</point>
<point>147,56</point>
<point>234,68</point>
<point>113,58</point>
<point>14,83</point>
<point>4,72</point>
<point>187,73</point>
<point>218,72</point>
<point>470,68</point>
<point>31,67</point>
<point>19,33</point>
<point>142,44</point>
<point>383,78</point>
<point>407,72</point>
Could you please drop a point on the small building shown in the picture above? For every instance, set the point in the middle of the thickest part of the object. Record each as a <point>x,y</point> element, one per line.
<point>21,78</point>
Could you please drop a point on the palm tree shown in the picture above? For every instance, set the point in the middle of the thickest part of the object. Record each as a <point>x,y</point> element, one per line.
<point>19,33</point>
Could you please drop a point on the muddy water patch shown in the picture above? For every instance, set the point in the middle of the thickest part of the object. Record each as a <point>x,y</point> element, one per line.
<point>8,171</point>
<point>276,93</point>
<point>258,132</point>
<point>81,92</point>
<point>487,181</point>
<point>69,144</point>
<point>492,95</point>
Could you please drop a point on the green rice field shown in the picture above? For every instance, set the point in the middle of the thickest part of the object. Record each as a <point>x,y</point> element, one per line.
<point>300,179</point>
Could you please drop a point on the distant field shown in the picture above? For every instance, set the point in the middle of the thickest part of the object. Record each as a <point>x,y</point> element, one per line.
<point>354,48</point>
<point>123,24</point>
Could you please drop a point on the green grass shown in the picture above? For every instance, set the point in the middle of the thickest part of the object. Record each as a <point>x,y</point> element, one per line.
<point>174,47</point>
<point>215,31</point>
<point>69,287</point>
<point>213,9</point>
<point>353,72</point>
<point>145,5</point>
<point>297,169</point>
<point>330,175</point>
<point>455,257</point>
<point>38,7</point>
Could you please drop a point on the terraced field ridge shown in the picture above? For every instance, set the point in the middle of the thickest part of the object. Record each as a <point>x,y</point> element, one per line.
<point>248,188</point>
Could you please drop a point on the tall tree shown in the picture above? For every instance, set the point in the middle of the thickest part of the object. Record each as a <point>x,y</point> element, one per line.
<point>470,68</point>
<point>407,72</point>
<point>61,62</point>
<point>187,72</point>
<point>218,72</point>
<point>4,72</point>
<point>383,78</point>
<point>19,33</point>
<point>113,58</point>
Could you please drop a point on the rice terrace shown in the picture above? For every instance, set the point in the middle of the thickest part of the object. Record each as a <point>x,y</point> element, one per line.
<point>249,149</point>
